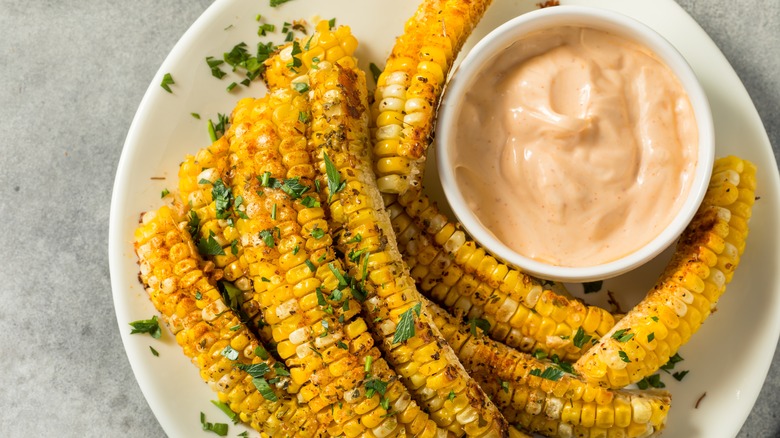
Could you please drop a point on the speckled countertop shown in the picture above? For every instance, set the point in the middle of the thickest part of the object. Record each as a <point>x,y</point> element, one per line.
<point>72,74</point>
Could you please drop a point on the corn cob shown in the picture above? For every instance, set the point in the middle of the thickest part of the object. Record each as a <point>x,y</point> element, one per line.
<point>287,250</point>
<point>459,275</point>
<point>693,281</point>
<point>553,403</point>
<point>295,59</point>
<point>182,287</point>
<point>409,88</point>
<point>407,335</point>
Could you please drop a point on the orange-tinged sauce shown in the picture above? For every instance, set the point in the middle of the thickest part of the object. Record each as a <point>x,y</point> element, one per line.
<point>575,147</point>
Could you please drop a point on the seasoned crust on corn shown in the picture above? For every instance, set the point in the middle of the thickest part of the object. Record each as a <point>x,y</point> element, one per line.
<point>704,261</point>
<point>559,405</point>
<point>427,365</point>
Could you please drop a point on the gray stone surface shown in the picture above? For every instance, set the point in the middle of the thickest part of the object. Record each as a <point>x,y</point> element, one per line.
<point>72,74</point>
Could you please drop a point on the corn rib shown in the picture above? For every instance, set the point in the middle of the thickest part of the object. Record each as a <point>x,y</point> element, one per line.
<point>550,401</point>
<point>415,348</point>
<point>181,286</point>
<point>455,272</point>
<point>409,89</point>
<point>685,294</point>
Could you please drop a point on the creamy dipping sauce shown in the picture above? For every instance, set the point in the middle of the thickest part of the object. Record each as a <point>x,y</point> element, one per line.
<point>575,147</point>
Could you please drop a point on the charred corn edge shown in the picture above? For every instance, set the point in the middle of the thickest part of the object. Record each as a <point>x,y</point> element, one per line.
<point>457,273</point>
<point>205,326</point>
<point>504,374</point>
<point>706,256</point>
<point>339,123</point>
<point>334,374</point>
<point>325,44</point>
<point>409,89</point>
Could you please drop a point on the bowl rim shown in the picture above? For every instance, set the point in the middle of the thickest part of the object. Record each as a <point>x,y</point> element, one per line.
<point>501,38</point>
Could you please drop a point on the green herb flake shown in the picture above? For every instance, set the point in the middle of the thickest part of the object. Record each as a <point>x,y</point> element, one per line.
<point>368,361</point>
<point>478,323</point>
<point>375,386</point>
<point>195,115</point>
<point>653,381</point>
<point>342,345</point>
<point>672,361</point>
<point>311,266</point>
<point>592,287</point>
<point>540,354</point>
<point>234,247</point>
<point>296,61</point>
<point>154,352</point>
<point>375,72</point>
<point>451,395</point>
<point>505,386</point>
<point>317,233</point>
<point>303,117</point>
<point>214,64</point>
<point>405,328</point>
<point>310,202</point>
<point>300,87</point>
<point>150,326</point>
<point>654,318</point>
<point>680,375</point>
<point>164,193</point>
<point>261,352</point>
<point>342,281</point>
<point>622,335</point>
<point>167,81</point>
<point>229,353</point>
<point>220,429</point>
<point>264,389</point>
<point>650,337</point>
<point>267,236</point>
<point>335,184</point>
<point>226,409</point>
<point>580,338</point>
<point>320,297</point>
<point>281,370</point>
<point>296,249</point>
<point>210,246</point>
<point>231,86</point>
<point>223,196</point>
<point>624,356</point>
<point>549,373</point>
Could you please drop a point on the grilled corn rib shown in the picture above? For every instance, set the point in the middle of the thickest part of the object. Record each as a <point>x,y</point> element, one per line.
<point>411,342</point>
<point>182,288</point>
<point>409,88</point>
<point>553,403</point>
<point>685,294</point>
<point>286,248</point>
<point>455,272</point>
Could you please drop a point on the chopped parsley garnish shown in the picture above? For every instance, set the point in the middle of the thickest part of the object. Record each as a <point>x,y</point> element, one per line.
<point>210,246</point>
<point>680,375</point>
<point>229,353</point>
<point>281,370</point>
<point>335,184</point>
<point>265,27</point>
<point>301,87</point>
<point>217,130</point>
<point>296,249</point>
<point>154,352</point>
<point>405,328</point>
<point>150,326</point>
<point>234,247</point>
<point>540,354</point>
<point>257,371</point>
<point>354,255</point>
<point>296,61</point>
<point>357,238</point>
<point>624,356</point>
<point>317,233</point>
<point>164,193</point>
<point>214,64</point>
<point>654,318</point>
<point>475,323</point>
<point>650,337</point>
<point>268,237</point>
<point>368,361</point>
<point>622,335</point>
<point>505,386</point>
<point>672,361</point>
<point>226,409</point>
<point>339,276</point>
<point>231,295</point>
<point>222,197</point>
<point>580,338</point>
<point>549,373</point>
<point>231,86</point>
<point>375,72</point>
<point>565,366</point>
<point>265,389</point>
<point>261,352</point>
<point>167,81</point>
<point>220,429</point>
<point>342,345</point>
<point>325,328</point>
<point>275,3</point>
<point>303,117</point>
<point>310,202</point>
<point>311,266</point>
<point>451,395</point>
<point>592,286</point>
<point>320,297</point>
<point>195,115</point>
<point>375,386</point>
<point>653,381</point>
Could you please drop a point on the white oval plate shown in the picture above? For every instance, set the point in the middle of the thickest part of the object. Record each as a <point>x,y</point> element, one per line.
<point>728,358</point>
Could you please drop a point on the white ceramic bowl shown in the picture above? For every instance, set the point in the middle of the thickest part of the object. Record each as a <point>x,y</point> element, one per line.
<point>496,42</point>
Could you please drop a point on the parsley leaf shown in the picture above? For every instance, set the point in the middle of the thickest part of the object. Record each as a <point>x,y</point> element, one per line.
<point>150,326</point>
<point>680,375</point>
<point>226,409</point>
<point>310,202</point>
<point>375,72</point>
<point>549,373</point>
<point>480,323</point>
<point>154,352</point>
<point>592,287</point>
<point>167,80</point>
<point>301,87</point>
<point>653,381</point>
<point>193,224</point>
<point>229,353</point>
<point>624,356</point>
<point>405,328</point>
<point>672,361</point>
<point>622,335</point>
<point>317,233</point>
<point>375,386</point>
<point>210,246</point>
<point>275,3</point>
<point>335,184</point>
<point>580,338</point>
<point>220,429</point>
<point>268,237</point>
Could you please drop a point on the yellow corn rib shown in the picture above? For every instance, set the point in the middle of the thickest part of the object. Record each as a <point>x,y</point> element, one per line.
<point>200,176</point>
<point>293,60</point>
<point>427,365</point>
<point>409,89</point>
<point>693,281</point>
<point>457,273</point>
<point>182,287</point>
<point>287,250</point>
<point>553,403</point>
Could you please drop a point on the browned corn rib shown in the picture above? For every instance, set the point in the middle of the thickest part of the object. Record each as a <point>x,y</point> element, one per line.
<point>326,44</point>
<point>557,404</point>
<point>182,288</point>
<point>286,248</point>
<point>456,273</point>
<point>428,366</point>
<point>409,88</point>
<point>704,262</point>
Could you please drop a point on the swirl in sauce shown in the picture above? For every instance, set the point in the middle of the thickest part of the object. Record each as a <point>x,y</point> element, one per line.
<point>576,146</point>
